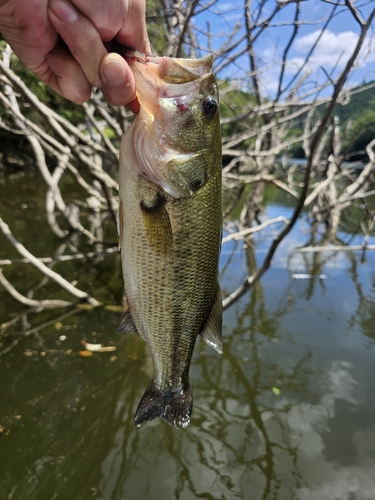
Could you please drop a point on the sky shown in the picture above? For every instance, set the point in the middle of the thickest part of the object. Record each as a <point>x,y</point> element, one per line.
<point>329,57</point>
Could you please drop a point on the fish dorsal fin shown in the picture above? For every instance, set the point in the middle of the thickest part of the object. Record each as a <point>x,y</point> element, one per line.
<point>127,324</point>
<point>211,332</point>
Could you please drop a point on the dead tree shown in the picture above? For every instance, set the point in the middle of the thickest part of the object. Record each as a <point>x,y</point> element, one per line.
<point>259,124</point>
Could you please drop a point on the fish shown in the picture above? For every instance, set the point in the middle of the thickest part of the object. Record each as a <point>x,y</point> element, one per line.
<point>170,224</point>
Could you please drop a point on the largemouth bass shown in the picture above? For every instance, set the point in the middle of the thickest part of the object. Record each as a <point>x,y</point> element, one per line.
<point>170,224</point>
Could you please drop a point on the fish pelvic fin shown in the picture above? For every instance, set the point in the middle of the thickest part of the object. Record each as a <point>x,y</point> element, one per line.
<point>127,324</point>
<point>174,406</point>
<point>211,332</point>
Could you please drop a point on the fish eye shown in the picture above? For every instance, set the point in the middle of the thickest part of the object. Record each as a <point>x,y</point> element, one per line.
<point>209,106</point>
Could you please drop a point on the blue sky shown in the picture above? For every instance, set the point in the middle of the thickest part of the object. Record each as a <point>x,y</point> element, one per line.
<point>330,55</point>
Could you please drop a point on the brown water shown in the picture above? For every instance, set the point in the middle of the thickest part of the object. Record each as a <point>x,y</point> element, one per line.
<point>287,412</point>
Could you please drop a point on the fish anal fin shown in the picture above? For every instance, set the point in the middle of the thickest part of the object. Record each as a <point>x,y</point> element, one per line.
<point>174,406</point>
<point>211,332</point>
<point>127,324</point>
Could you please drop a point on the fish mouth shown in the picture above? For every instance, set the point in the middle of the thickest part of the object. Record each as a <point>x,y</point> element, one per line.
<point>169,69</point>
<point>166,77</point>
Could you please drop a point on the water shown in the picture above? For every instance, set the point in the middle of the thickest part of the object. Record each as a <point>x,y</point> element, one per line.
<point>287,412</point>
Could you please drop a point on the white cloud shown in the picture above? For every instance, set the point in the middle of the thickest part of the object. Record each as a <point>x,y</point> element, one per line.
<point>332,52</point>
<point>331,49</point>
<point>325,479</point>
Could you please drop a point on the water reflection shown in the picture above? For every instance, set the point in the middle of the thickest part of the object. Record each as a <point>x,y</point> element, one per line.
<point>287,412</point>
<point>69,421</point>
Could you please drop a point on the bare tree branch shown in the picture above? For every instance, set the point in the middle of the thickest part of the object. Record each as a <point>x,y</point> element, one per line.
<point>44,269</point>
<point>313,147</point>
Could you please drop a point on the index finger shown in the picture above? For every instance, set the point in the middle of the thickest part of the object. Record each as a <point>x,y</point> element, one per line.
<point>120,20</point>
<point>80,36</point>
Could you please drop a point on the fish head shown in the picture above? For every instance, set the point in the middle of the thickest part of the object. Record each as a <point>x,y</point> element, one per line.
<point>179,103</point>
<point>188,109</point>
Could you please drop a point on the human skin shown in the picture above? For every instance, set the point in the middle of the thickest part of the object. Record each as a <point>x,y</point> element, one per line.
<point>69,44</point>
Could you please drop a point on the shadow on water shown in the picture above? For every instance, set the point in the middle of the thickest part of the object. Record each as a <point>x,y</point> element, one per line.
<point>287,412</point>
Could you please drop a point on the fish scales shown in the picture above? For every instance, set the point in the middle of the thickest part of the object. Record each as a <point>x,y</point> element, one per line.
<point>170,228</point>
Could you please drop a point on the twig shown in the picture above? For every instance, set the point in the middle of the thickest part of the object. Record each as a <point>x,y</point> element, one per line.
<point>247,284</point>
<point>345,200</point>
<point>241,234</point>
<point>62,258</point>
<point>248,179</point>
<point>46,270</point>
<point>44,304</point>
<point>334,248</point>
<point>36,329</point>
<point>54,194</point>
<point>103,136</point>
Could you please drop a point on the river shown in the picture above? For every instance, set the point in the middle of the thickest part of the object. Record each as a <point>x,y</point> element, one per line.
<point>286,412</point>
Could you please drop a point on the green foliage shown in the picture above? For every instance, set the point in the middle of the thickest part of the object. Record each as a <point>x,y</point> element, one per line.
<point>357,105</point>
<point>360,133</point>
<point>357,118</point>
<point>155,16</point>
<point>296,149</point>
<point>235,103</point>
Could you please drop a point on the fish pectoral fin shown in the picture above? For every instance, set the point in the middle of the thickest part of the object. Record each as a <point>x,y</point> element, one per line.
<point>211,332</point>
<point>174,406</point>
<point>127,324</point>
<point>157,224</point>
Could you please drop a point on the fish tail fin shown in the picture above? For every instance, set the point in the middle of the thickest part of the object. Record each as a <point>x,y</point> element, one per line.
<point>173,406</point>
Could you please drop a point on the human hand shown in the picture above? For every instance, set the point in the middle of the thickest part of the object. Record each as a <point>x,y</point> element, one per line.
<point>89,29</point>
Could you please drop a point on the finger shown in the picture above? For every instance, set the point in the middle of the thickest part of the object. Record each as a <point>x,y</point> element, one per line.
<point>118,84</point>
<point>81,37</point>
<point>65,76</point>
<point>28,31</point>
<point>124,21</point>
<point>106,16</point>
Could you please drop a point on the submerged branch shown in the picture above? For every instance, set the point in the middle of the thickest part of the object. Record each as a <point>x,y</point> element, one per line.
<point>37,329</point>
<point>43,304</point>
<point>83,296</point>
<point>62,258</point>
